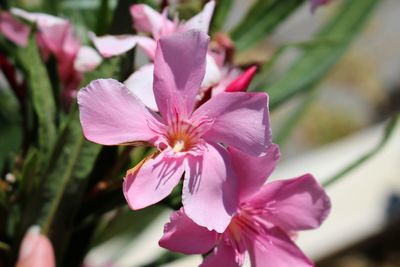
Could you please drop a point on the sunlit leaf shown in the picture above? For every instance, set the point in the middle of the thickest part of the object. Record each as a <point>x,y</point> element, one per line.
<point>262,19</point>
<point>315,62</point>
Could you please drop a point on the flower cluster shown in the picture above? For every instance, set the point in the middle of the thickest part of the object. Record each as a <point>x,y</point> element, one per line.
<point>219,145</point>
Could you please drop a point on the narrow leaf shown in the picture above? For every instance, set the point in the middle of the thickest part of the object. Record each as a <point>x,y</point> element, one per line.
<point>315,63</point>
<point>221,13</point>
<point>389,130</point>
<point>262,19</point>
<point>42,96</point>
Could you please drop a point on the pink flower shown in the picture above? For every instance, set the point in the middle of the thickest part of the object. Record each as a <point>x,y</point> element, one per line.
<point>317,3</point>
<point>56,37</point>
<point>266,219</point>
<point>147,20</point>
<point>188,141</point>
<point>14,30</point>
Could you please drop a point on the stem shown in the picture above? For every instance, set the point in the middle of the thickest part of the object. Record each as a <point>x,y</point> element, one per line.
<point>386,136</point>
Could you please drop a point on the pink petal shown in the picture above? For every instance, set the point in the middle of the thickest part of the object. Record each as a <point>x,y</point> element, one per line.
<point>14,30</point>
<point>110,114</point>
<point>42,19</point>
<point>276,249</point>
<point>241,83</point>
<point>241,120</point>
<point>110,45</point>
<point>179,68</point>
<point>222,255</point>
<point>253,171</point>
<point>146,19</point>
<point>87,59</point>
<point>182,235</point>
<point>210,180</point>
<point>152,180</point>
<point>202,20</point>
<point>56,34</point>
<point>141,84</point>
<point>300,203</point>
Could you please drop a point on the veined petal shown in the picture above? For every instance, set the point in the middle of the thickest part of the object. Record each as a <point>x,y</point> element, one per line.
<point>210,179</point>
<point>152,180</point>
<point>300,203</point>
<point>222,255</point>
<point>141,84</point>
<point>179,68</point>
<point>182,235</point>
<point>110,114</point>
<point>87,59</point>
<point>202,20</point>
<point>276,249</point>
<point>252,172</point>
<point>13,29</point>
<point>114,45</point>
<point>240,120</point>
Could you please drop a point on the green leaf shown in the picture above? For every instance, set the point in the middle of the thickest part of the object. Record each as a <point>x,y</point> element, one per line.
<point>103,17</point>
<point>315,63</point>
<point>262,19</point>
<point>108,69</point>
<point>389,130</point>
<point>30,172</point>
<point>221,13</point>
<point>54,204</point>
<point>290,124</point>
<point>127,224</point>
<point>265,71</point>
<point>42,97</point>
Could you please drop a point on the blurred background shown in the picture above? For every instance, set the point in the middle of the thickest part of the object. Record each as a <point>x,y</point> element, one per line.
<point>341,127</point>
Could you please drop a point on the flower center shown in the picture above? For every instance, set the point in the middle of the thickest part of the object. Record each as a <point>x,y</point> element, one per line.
<point>182,136</point>
<point>179,146</point>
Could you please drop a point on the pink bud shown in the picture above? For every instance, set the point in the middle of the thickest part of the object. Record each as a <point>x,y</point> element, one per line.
<point>241,83</point>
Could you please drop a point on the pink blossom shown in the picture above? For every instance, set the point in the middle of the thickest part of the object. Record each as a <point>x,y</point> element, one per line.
<point>13,29</point>
<point>56,37</point>
<point>266,219</point>
<point>189,141</point>
<point>147,20</point>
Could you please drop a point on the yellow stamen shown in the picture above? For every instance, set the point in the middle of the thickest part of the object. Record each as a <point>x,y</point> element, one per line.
<point>179,145</point>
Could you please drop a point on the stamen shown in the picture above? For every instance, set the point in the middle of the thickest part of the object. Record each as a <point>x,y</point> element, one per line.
<point>179,146</point>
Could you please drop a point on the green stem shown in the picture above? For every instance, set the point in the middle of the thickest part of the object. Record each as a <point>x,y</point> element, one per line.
<point>389,129</point>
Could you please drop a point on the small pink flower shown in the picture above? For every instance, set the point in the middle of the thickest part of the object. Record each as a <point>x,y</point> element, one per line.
<point>56,37</point>
<point>13,29</point>
<point>147,20</point>
<point>188,141</point>
<point>266,219</point>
